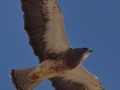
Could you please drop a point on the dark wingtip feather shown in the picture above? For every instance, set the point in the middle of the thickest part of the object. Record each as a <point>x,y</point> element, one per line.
<point>13,79</point>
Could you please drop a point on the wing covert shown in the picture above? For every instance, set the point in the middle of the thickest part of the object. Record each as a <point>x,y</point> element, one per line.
<point>44,26</point>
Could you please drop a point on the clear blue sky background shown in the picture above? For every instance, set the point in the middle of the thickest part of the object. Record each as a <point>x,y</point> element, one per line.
<point>88,23</point>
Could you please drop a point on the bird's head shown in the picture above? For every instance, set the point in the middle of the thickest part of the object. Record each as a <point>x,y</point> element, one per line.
<point>76,56</point>
<point>82,53</point>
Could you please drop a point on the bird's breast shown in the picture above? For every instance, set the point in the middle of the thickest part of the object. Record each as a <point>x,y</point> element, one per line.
<point>52,68</point>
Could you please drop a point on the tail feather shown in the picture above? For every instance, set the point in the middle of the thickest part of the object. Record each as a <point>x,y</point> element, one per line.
<point>21,81</point>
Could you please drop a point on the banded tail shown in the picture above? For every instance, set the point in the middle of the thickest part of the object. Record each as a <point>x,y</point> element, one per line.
<point>21,81</point>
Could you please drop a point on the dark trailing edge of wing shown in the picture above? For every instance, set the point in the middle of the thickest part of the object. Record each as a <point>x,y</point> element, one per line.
<point>34,25</point>
<point>60,84</point>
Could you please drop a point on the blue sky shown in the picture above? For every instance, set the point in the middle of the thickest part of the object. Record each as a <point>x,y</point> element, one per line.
<point>89,23</point>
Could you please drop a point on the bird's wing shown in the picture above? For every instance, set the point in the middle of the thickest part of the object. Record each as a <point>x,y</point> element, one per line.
<point>76,79</point>
<point>44,26</point>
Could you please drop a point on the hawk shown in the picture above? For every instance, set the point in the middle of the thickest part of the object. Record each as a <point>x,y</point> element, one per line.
<point>58,61</point>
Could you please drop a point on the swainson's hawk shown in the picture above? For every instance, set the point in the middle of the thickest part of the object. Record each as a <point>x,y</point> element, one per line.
<point>59,62</point>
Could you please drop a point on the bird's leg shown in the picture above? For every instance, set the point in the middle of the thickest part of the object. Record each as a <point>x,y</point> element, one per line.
<point>36,76</point>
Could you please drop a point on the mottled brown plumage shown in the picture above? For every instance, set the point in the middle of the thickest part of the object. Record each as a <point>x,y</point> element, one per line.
<point>22,81</point>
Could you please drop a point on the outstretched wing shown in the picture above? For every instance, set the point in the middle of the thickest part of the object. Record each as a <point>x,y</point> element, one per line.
<point>44,26</point>
<point>76,79</point>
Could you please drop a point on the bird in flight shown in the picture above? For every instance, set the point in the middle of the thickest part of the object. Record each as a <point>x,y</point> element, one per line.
<point>58,61</point>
